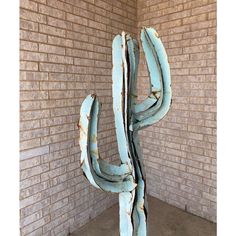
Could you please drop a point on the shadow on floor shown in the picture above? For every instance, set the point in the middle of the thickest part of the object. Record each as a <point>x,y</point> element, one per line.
<point>164,220</point>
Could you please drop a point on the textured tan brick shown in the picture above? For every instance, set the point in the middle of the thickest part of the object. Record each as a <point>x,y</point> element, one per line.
<point>28,65</point>
<point>52,67</point>
<point>33,95</point>
<point>60,5</point>
<point>29,76</point>
<point>51,30</point>
<point>51,11</point>
<point>33,36</point>
<point>76,19</point>
<point>25,164</point>
<point>195,19</point>
<point>30,144</point>
<point>51,49</point>
<point>29,85</point>
<point>60,41</point>
<point>33,56</point>
<point>30,46</point>
<point>33,115</point>
<point>29,105</point>
<point>32,16</point>
<point>35,225</point>
<point>29,25</point>
<point>27,4</point>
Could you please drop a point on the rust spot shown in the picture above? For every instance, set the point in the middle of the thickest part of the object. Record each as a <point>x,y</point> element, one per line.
<point>142,207</point>
<point>156,34</point>
<point>81,163</point>
<point>80,127</point>
<point>156,94</point>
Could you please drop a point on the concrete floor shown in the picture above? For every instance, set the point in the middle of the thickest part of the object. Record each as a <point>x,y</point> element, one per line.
<point>164,220</point>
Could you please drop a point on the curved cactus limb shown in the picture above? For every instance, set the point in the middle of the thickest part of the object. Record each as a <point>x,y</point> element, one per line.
<point>158,50</point>
<point>116,183</point>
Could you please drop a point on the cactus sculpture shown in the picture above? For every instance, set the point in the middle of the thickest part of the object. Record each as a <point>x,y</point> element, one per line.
<point>127,179</point>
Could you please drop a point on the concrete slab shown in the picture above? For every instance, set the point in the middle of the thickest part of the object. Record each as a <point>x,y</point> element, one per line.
<point>164,220</point>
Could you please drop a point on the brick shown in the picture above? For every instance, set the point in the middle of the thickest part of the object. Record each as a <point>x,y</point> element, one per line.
<point>38,205</point>
<point>34,170</point>
<point>35,225</point>
<point>34,189</point>
<point>28,65</point>
<point>33,95</point>
<point>36,133</point>
<point>29,5</point>
<point>32,16</point>
<point>51,49</point>
<point>46,10</point>
<point>30,46</point>
<point>195,19</point>
<point>60,5</point>
<point>29,105</point>
<point>31,162</point>
<point>27,125</point>
<point>31,218</point>
<point>76,19</point>
<point>60,41</point>
<point>209,196</point>
<point>29,144</point>
<point>52,67</point>
<point>46,29</point>
<point>33,56</point>
<point>29,85</point>
<point>33,76</point>
<point>30,181</point>
<point>28,25</point>
<point>34,152</point>
<point>59,23</point>
<point>207,8</point>
<point>33,36</point>
<point>60,59</point>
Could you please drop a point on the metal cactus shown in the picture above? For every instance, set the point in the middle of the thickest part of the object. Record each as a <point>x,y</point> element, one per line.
<point>127,179</point>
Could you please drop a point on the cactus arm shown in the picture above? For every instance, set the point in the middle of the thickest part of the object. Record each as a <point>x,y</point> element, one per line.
<point>83,125</point>
<point>164,72</point>
<point>118,90</point>
<point>126,184</point>
<point>154,74</point>
<point>94,149</point>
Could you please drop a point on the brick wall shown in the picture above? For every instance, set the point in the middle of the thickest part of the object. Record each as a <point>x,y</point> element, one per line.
<point>180,151</point>
<point>65,54</point>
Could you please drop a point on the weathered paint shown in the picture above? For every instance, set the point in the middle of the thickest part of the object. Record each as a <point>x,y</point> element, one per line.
<point>127,179</point>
